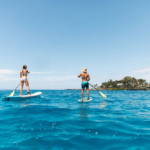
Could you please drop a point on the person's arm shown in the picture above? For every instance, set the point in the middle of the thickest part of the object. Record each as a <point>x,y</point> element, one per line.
<point>28,71</point>
<point>20,74</point>
<point>79,75</point>
<point>88,77</point>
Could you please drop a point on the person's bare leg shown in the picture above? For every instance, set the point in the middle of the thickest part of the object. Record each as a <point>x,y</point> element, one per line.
<point>27,85</point>
<point>87,93</point>
<point>22,83</point>
<point>82,94</point>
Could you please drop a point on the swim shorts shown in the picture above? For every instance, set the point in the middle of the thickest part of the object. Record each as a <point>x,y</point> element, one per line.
<point>85,84</point>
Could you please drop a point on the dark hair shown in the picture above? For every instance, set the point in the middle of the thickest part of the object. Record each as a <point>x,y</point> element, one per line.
<point>24,67</point>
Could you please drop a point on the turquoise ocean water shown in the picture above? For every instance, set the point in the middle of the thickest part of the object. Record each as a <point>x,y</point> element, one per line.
<point>56,120</point>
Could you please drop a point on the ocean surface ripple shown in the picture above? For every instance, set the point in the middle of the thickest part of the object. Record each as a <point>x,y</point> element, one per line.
<point>56,120</point>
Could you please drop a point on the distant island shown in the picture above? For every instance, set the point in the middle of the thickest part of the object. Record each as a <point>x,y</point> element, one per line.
<point>73,89</point>
<point>127,83</point>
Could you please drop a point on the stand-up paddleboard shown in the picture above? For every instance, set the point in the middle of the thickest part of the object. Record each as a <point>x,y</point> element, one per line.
<point>21,97</point>
<point>85,99</point>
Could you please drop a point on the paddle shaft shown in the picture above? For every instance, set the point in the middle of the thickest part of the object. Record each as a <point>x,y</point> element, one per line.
<point>16,87</point>
<point>94,87</point>
<point>14,91</point>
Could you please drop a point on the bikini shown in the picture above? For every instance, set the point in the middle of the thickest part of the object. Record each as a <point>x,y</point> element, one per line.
<point>24,78</point>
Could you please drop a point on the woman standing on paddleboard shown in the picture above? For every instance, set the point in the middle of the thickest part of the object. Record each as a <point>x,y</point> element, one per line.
<point>23,76</point>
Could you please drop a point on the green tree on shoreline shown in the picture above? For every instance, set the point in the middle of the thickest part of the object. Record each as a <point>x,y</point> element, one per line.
<point>127,82</point>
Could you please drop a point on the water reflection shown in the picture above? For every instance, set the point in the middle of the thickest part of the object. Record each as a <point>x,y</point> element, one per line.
<point>25,103</point>
<point>84,110</point>
<point>22,102</point>
<point>103,104</point>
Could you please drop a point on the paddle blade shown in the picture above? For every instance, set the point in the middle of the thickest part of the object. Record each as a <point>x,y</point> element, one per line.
<point>12,94</point>
<point>102,94</point>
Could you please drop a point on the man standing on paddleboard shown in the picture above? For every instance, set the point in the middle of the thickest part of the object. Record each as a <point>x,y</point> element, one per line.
<point>85,78</point>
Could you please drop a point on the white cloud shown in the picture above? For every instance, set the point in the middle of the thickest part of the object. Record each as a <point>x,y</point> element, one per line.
<point>141,73</point>
<point>8,75</point>
<point>8,71</point>
<point>41,72</point>
<point>11,75</point>
<point>59,78</point>
<point>11,79</point>
<point>6,78</point>
<point>43,78</point>
<point>144,70</point>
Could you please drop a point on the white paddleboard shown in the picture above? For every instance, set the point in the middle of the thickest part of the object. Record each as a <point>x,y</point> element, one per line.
<point>22,97</point>
<point>85,99</point>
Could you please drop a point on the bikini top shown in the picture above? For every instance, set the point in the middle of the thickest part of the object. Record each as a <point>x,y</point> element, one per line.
<point>24,74</point>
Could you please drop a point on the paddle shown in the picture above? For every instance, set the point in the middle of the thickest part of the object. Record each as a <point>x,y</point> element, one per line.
<point>12,94</point>
<point>99,91</point>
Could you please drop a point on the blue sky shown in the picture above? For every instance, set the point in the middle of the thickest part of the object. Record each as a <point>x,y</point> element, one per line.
<point>56,39</point>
